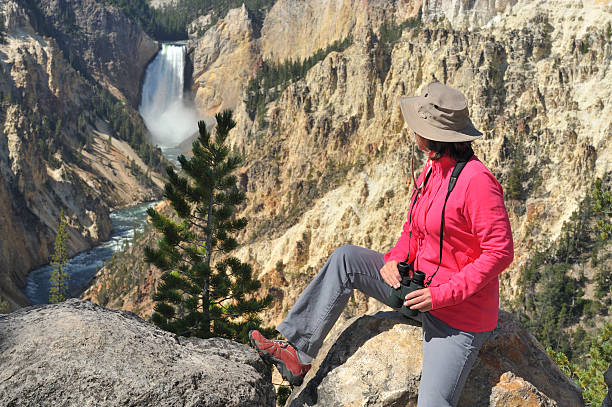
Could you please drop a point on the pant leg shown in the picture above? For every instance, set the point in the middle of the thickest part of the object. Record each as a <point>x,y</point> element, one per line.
<point>448,357</point>
<point>321,303</point>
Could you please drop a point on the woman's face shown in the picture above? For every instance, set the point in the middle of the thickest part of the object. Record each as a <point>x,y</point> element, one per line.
<point>421,142</point>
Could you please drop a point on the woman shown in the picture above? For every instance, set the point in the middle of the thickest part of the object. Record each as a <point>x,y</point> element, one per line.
<point>459,304</point>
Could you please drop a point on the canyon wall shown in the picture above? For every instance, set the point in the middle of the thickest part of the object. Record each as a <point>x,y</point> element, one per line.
<point>329,164</point>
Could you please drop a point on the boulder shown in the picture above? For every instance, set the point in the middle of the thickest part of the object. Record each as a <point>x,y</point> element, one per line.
<point>512,391</point>
<point>375,360</point>
<point>76,353</point>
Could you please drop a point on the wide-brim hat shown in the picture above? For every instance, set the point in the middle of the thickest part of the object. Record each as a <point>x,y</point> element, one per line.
<point>441,113</point>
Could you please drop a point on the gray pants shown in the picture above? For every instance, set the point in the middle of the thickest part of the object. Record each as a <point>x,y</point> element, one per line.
<point>448,353</point>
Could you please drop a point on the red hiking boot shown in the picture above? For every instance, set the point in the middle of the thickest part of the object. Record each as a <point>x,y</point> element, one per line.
<point>282,355</point>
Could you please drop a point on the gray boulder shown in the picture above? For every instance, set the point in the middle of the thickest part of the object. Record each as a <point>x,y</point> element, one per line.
<point>79,354</point>
<point>376,361</point>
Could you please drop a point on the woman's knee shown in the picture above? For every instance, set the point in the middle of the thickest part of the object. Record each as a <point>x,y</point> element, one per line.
<point>346,250</point>
<point>348,256</point>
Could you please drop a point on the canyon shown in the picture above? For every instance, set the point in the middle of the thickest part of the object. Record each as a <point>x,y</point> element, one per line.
<point>58,149</point>
<point>326,152</point>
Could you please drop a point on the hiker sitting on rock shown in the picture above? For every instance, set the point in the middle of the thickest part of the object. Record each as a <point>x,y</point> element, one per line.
<point>457,233</point>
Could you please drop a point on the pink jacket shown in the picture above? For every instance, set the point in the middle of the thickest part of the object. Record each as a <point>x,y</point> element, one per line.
<point>477,243</point>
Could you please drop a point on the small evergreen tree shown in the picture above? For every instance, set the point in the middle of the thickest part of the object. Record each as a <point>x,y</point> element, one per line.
<point>2,28</point>
<point>194,298</point>
<point>602,194</point>
<point>58,291</point>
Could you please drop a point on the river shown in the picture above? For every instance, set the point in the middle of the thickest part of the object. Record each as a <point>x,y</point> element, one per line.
<point>83,267</point>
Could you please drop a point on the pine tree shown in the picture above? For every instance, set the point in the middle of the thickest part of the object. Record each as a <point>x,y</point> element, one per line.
<point>58,291</point>
<point>2,28</point>
<point>194,298</point>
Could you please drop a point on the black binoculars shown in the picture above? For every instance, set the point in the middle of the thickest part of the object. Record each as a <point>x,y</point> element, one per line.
<point>397,296</point>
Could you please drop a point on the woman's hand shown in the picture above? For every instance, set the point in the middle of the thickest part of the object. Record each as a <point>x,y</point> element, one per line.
<point>390,274</point>
<point>419,300</point>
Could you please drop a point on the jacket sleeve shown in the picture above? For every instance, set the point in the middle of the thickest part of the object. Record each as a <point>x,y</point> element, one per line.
<point>487,217</point>
<point>400,250</point>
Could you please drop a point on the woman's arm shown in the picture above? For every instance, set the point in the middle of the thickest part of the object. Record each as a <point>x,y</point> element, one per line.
<point>485,211</point>
<point>399,252</point>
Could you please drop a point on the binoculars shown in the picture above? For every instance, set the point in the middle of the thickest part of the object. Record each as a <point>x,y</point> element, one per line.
<point>397,296</point>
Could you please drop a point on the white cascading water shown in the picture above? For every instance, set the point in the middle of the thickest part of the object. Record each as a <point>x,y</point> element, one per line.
<point>167,115</point>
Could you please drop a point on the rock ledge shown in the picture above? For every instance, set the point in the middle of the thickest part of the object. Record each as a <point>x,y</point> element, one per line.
<point>77,353</point>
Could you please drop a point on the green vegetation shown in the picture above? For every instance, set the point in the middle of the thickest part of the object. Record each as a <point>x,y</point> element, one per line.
<point>5,307</point>
<point>272,78</point>
<point>58,291</point>
<point>143,177</point>
<point>126,280</point>
<point>603,204</point>
<point>194,298</point>
<point>160,24</point>
<point>51,125</point>
<point>2,30</point>
<point>282,395</point>
<point>514,184</point>
<point>52,128</point>
<point>44,26</point>
<point>514,190</point>
<point>585,44</point>
<point>590,378</point>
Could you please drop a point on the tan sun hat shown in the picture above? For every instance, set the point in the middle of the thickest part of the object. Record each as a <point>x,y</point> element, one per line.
<point>440,113</point>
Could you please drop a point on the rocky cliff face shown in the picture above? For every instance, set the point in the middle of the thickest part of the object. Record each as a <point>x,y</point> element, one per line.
<point>466,14</point>
<point>76,353</point>
<point>327,164</point>
<point>56,152</point>
<point>224,59</point>
<point>108,45</point>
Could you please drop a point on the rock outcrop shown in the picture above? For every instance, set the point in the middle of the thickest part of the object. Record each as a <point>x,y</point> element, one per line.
<point>466,14</point>
<point>514,391</point>
<point>77,353</point>
<point>224,59</point>
<point>57,150</point>
<point>297,29</point>
<point>376,361</point>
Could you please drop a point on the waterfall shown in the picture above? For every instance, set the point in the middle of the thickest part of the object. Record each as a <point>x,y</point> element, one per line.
<point>169,118</point>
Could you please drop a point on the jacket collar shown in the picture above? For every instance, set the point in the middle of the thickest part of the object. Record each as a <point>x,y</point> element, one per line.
<point>443,164</point>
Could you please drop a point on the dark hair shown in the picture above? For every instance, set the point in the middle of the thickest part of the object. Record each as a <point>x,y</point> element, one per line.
<point>459,151</point>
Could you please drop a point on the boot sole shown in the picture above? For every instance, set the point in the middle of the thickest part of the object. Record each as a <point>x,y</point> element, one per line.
<point>280,365</point>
